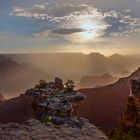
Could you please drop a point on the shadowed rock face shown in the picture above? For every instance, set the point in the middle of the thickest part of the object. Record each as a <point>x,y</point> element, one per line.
<point>131,117</point>
<point>34,129</point>
<point>18,109</point>
<point>130,120</point>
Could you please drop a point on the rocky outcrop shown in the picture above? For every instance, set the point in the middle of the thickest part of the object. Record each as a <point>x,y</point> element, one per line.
<point>54,115</point>
<point>35,130</point>
<point>129,126</point>
<point>55,101</point>
<point>131,116</point>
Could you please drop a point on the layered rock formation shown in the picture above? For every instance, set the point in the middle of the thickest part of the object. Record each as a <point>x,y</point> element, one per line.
<point>131,117</point>
<point>129,126</point>
<point>55,115</point>
<point>35,130</point>
<point>55,101</point>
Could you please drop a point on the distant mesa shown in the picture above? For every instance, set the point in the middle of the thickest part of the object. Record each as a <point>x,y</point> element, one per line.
<point>117,55</point>
<point>96,55</point>
<point>59,64</point>
<point>125,73</point>
<point>94,81</point>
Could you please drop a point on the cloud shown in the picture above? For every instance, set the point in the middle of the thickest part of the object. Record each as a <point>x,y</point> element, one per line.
<point>64,10</point>
<point>4,36</point>
<point>138,1</point>
<point>126,25</point>
<point>40,35</point>
<point>75,21</point>
<point>79,23</point>
<point>67,31</point>
<point>37,11</point>
<point>127,10</point>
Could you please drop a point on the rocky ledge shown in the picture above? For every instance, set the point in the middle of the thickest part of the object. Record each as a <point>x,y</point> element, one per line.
<point>55,115</point>
<point>35,130</point>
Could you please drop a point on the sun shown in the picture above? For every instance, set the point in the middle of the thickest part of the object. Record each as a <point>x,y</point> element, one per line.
<point>90,30</point>
<point>88,25</point>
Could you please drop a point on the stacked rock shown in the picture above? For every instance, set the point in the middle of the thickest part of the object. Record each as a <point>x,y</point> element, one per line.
<point>55,102</point>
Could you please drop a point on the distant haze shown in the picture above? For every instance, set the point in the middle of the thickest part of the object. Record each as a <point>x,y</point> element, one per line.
<point>23,71</point>
<point>76,65</point>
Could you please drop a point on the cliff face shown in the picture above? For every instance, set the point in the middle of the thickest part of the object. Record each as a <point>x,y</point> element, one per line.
<point>131,117</point>
<point>34,129</point>
<point>129,126</point>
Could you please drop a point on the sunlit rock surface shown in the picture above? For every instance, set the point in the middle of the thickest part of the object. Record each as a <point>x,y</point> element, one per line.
<point>35,130</point>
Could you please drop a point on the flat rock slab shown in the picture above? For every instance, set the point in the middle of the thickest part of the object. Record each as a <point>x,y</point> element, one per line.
<point>35,130</point>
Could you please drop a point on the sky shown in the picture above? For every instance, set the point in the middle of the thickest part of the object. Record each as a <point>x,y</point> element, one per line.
<point>36,26</point>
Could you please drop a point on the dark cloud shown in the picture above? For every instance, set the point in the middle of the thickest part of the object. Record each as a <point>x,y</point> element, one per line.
<point>67,31</point>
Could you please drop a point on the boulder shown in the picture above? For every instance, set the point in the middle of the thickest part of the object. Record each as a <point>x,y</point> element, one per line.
<point>59,83</point>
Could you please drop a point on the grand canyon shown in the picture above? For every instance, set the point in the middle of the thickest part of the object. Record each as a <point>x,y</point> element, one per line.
<point>70,70</point>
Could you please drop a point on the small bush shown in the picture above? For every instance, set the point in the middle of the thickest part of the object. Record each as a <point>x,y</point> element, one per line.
<point>125,136</point>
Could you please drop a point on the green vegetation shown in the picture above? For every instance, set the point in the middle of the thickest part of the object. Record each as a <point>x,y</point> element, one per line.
<point>124,133</point>
<point>69,85</point>
<point>47,120</point>
<point>125,136</point>
<point>41,84</point>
